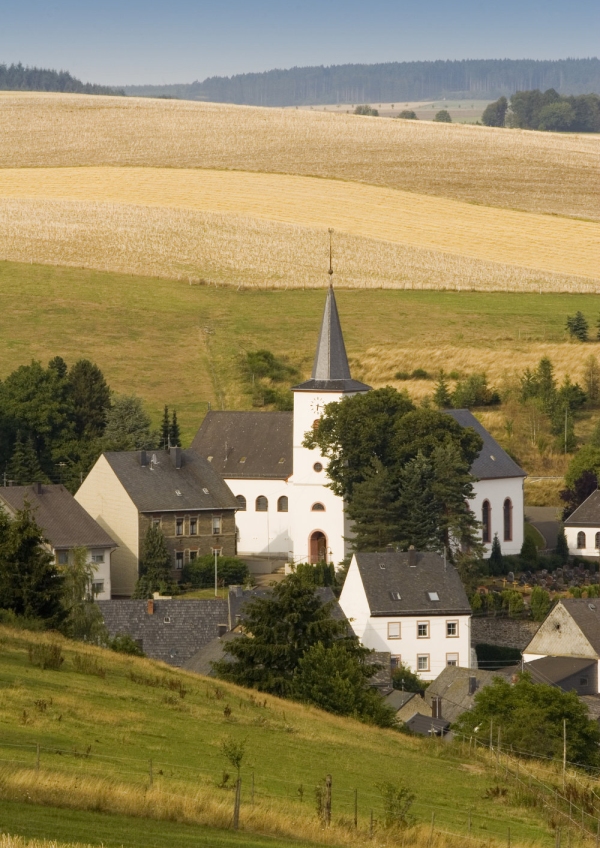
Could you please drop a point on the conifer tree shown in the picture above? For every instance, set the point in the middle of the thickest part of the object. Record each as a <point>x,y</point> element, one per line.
<point>417,509</point>
<point>84,620</point>
<point>496,562</point>
<point>24,466</point>
<point>578,327</point>
<point>155,565</point>
<point>174,433</point>
<point>562,547</point>
<point>374,510</point>
<point>165,428</point>
<point>441,396</point>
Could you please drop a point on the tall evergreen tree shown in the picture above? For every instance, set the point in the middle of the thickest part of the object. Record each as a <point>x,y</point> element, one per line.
<point>496,561</point>
<point>155,565</point>
<point>373,509</point>
<point>24,466</point>
<point>30,583</point>
<point>562,546</point>
<point>128,425</point>
<point>441,396</point>
<point>165,428</point>
<point>578,327</point>
<point>90,398</point>
<point>174,433</point>
<point>494,114</point>
<point>417,514</point>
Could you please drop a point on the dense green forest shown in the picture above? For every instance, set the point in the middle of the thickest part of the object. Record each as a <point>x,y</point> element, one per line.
<point>20,78</point>
<point>534,110</point>
<point>389,82</point>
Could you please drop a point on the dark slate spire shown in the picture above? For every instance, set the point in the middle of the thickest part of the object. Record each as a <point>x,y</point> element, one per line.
<point>331,372</point>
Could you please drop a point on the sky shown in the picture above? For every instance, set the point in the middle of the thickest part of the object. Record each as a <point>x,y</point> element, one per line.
<point>130,42</point>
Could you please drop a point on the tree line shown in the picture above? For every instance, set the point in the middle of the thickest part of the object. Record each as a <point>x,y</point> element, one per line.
<point>548,110</point>
<point>55,421</point>
<point>21,78</point>
<point>388,82</point>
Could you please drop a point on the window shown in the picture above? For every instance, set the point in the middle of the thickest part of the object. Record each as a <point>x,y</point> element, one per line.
<point>193,526</point>
<point>422,662</point>
<point>451,659</point>
<point>217,525</point>
<point>179,526</point>
<point>486,520</point>
<point>167,619</point>
<point>178,560</point>
<point>581,539</point>
<point>98,587</point>
<point>193,555</point>
<point>282,504</point>
<point>583,681</point>
<point>507,514</point>
<point>63,557</point>
<point>262,504</point>
<point>394,630</point>
<point>451,629</point>
<point>396,661</point>
<point>422,630</point>
<point>318,507</point>
<point>241,502</point>
<point>318,466</point>
<point>597,542</point>
<point>99,557</point>
<point>433,596</point>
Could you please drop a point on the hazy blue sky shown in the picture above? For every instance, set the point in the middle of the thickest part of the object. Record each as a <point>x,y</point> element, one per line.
<point>130,41</point>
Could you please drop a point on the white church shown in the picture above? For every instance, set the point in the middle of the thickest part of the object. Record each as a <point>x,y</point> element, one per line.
<point>285,509</point>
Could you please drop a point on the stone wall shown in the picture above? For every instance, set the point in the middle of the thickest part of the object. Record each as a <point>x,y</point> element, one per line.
<point>506,632</point>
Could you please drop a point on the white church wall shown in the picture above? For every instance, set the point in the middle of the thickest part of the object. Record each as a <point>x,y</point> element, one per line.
<point>589,549</point>
<point>496,491</point>
<point>263,532</point>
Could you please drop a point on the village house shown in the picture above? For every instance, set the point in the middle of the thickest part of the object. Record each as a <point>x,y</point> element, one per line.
<point>412,605</point>
<point>286,511</point>
<point>582,528</point>
<point>565,651</point>
<point>177,490</point>
<point>65,525</point>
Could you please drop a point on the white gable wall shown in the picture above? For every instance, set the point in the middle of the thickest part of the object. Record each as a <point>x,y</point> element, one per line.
<point>263,532</point>
<point>104,498</point>
<point>589,549</point>
<point>496,491</point>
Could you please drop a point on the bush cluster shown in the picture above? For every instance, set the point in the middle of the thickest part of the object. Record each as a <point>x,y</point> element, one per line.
<point>200,572</point>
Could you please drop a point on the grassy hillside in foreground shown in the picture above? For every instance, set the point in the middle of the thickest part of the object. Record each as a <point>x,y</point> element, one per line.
<point>173,343</point>
<point>98,730</point>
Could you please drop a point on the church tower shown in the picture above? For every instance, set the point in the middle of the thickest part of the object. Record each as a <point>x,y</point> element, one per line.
<point>319,525</point>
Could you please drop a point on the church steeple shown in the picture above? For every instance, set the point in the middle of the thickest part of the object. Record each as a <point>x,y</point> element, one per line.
<point>331,372</point>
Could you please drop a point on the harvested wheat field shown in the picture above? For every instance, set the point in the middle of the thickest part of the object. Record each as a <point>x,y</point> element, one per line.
<point>537,172</point>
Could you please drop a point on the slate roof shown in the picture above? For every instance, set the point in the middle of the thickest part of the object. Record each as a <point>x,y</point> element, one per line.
<point>587,514</point>
<point>201,662</point>
<point>554,670</point>
<point>331,371</point>
<point>423,725</point>
<point>238,597</point>
<point>65,522</point>
<point>492,462</point>
<point>385,574</point>
<point>262,439</point>
<point>398,699</point>
<point>154,487</point>
<point>452,686</point>
<point>192,624</point>
<point>586,615</point>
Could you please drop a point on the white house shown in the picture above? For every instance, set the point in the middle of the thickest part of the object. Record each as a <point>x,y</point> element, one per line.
<point>582,528</point>
<point>411,604</point>
<point>285,507</point>
<point>65,525</point>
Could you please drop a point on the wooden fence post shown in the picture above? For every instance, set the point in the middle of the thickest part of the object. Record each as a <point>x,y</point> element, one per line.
<point>508,840</point>
<point>469,822</point>
<point>37,756</point>
<point>355,808</point>
<point>327,808</point>
<point>236,805</point>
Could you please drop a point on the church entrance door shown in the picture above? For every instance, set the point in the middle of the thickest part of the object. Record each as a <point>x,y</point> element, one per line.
<point>318,547</point>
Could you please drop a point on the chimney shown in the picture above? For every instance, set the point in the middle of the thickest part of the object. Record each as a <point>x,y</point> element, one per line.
<point>175,454</point>
<point>37,488</point>
<point>143,458</point>
<point>221,629</point>
<point>436,706</point>
<point>472,685</point>
<point>150,607</point>
<point>412,556</point>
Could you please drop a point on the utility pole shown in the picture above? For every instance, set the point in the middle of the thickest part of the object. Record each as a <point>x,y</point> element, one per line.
<point>564,754</point>
<point>566,413</point>
<point>216,583</point>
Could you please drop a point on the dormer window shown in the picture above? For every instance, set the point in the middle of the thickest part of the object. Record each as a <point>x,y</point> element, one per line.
<point>433,596</point>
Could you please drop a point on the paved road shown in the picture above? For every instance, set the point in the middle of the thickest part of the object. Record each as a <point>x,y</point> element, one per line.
<point>546,520</point>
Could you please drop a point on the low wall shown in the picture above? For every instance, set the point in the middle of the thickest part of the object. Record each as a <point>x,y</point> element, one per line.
<point>505,632</point>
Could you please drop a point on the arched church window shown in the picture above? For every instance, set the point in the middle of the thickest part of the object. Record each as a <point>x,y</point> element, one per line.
<point>597,545</point>
<point>486,521</point>
<point>581,539</point>
<point>262,504</point>
<point>318,507</point>
<point>241,502</point>
<point>507,510</point>
<point>282,504</point>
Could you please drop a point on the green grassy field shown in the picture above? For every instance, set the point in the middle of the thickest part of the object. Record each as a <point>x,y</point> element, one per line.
<point>97,735</point>
<point>173,343</point>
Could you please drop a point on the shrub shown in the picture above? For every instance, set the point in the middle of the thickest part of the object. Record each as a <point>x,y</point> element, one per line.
<point>397,801</point>
<point>20,622</point>
<point>420,374</point>
<point>474,391</point>
<point>406,679</point>
<point>200,572</point>
<point>408,115</point>
<point>366,110</point>
<point>402,375</point>
<point>122,643</point>
<point>85,664</point>
<point>540,603</point>
<point>443,116</point>
<point>46,656</point>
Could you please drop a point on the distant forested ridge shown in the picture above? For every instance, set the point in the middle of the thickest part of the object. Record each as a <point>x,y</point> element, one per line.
<point>20,78</point>
<point>389,82</point>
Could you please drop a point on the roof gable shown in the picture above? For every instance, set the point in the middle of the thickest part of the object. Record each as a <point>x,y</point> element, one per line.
<point>249,445</point>
<point>492,462</point>
<point>587,514</point>
<point>64,522</point>
<point>393,587</point>
<point>159,485</point>
<point>571,629</point>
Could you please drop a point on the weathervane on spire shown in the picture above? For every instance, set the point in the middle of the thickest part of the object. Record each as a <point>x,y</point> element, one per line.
<point>330,272</point>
